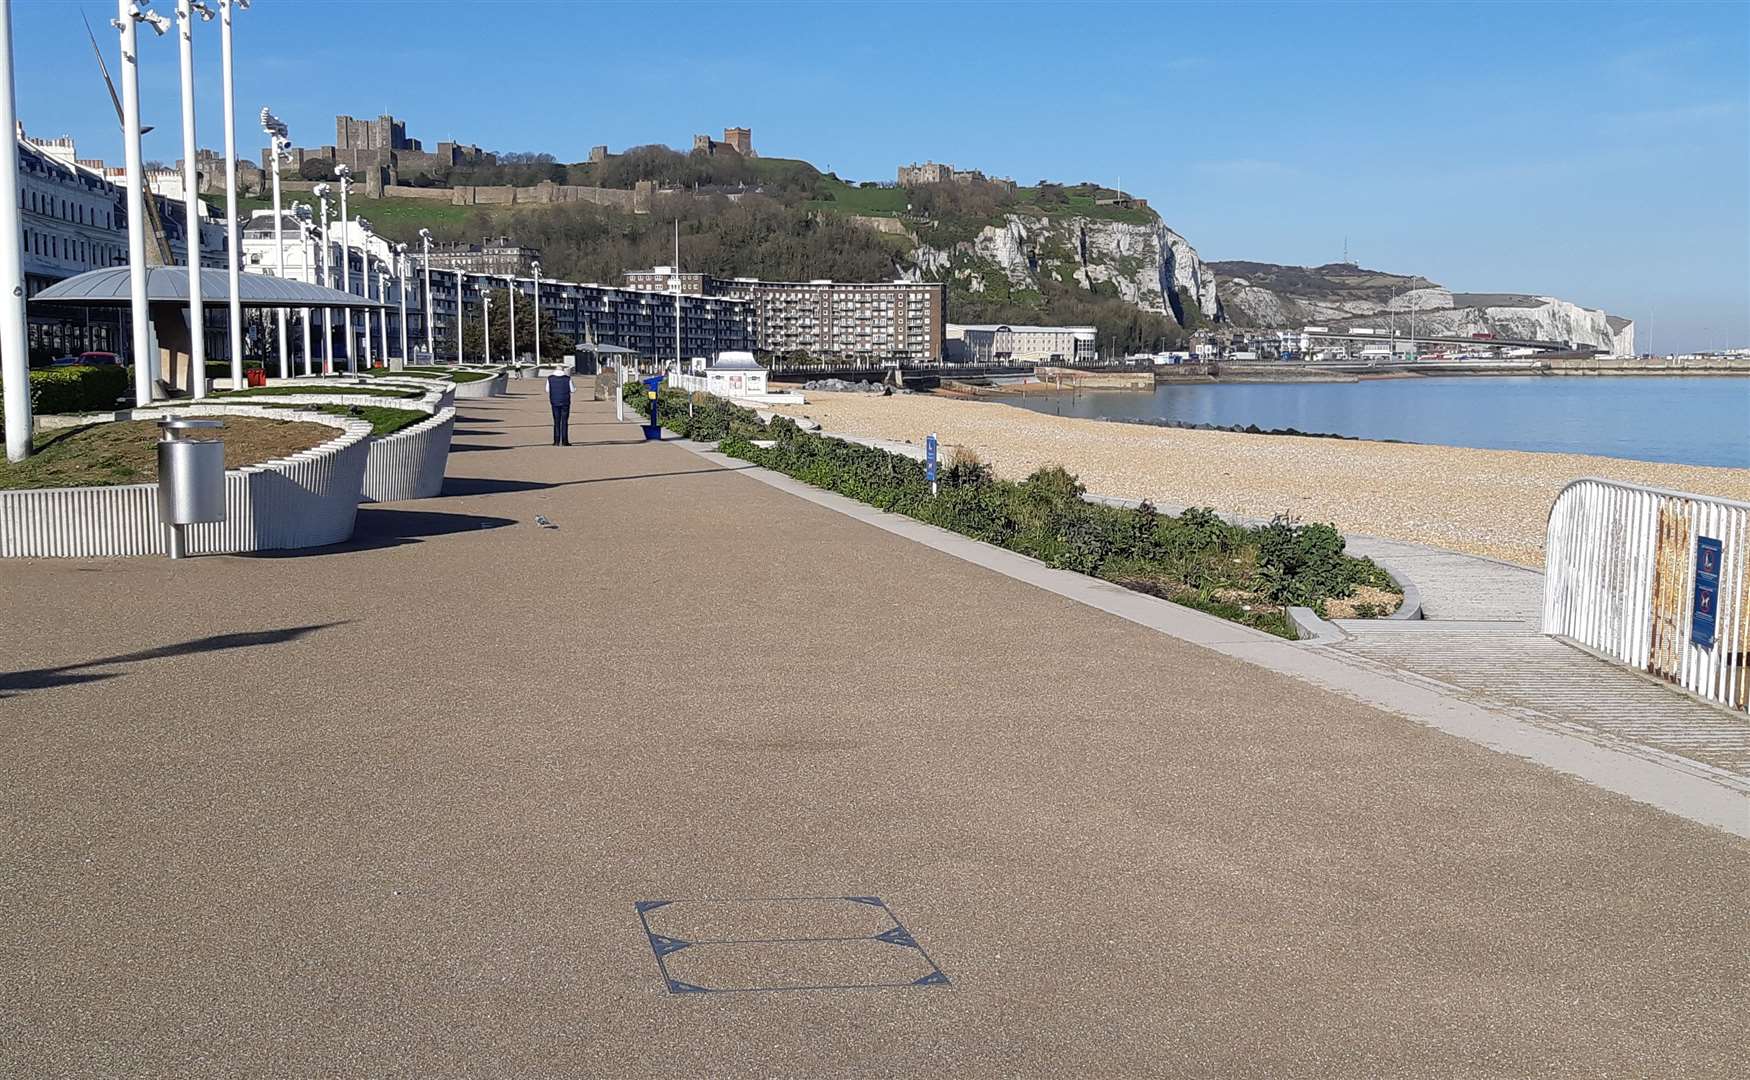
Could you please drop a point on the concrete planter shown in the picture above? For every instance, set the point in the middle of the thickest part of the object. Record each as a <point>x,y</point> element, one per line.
<point>306,500</point>
<point>410,463</point>
<point>497,386</point>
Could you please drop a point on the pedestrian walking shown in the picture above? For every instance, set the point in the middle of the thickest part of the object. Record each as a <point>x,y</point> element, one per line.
<point>559,396</point>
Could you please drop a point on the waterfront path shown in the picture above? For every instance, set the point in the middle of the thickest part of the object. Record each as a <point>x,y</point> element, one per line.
<point>387,810</point>
<point>1479,641</point>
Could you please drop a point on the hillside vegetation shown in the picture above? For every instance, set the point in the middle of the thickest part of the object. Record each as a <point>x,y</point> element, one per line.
<point>788,221</point>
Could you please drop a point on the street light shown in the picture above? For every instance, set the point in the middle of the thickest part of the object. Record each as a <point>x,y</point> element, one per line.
<point>383,312</point>
<point>345,175</point>
<point>486,327</point>
<point>325,262</point>
<point>510,291</point>
<point>233,267</point>
<point>280,143</point>
<point>128,16</point>
<point>191,197</point>
<point>302,215</point>
<point>14,350</point>
<point>430,320</point>
<point>536,267</point>
<point>458,314</point>
<point>401,269</point>
<point>365,281</point>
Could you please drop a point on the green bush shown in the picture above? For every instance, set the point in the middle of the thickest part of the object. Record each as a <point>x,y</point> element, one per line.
<point>77,389</point>
<point>1246,575</point>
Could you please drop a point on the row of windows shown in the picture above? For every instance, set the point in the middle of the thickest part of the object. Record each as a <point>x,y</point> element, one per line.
<point>50,246</point>
<point>65,209</point>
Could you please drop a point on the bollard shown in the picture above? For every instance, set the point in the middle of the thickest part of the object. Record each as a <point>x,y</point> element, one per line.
<point>191,480</point>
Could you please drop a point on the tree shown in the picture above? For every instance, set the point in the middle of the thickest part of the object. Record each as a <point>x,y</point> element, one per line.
<point>553,345</point>
<point>316,168</point>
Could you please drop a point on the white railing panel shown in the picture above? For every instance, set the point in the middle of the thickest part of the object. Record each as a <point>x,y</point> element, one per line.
<point>1620,577</point>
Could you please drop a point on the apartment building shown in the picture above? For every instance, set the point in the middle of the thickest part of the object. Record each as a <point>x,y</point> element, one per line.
<point>493,255</point>
<point>74,219</point>
<point>870,321</point>
<point>992,343</point>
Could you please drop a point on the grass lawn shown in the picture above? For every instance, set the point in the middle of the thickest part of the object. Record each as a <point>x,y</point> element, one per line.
<point>383,419</point>
<point>441,373</point>
<point>282,391</point>
<point>405,217</point>
<point>126,452</point>
<point>850,199</point>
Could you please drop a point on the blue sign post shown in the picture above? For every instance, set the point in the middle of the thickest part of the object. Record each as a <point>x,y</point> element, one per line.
<point>930,461</point>
<point>1706,603</point>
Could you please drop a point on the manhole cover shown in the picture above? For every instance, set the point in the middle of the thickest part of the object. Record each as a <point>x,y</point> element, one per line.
<point>774,943</point>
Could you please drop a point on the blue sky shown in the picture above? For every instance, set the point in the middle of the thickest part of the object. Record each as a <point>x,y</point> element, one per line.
<point>1596,152</point>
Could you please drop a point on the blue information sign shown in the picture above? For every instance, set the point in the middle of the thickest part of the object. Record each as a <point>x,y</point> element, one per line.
<point>1705,608</point>
<point>930,459</point>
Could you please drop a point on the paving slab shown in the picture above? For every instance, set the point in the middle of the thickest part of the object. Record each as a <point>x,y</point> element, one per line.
<point>390,809</point>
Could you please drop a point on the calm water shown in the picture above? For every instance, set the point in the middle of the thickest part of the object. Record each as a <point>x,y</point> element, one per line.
<point>1696,421</point>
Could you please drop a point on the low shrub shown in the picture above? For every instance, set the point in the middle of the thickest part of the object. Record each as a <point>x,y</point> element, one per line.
<point>1247,575</point>
<point>1196,559</point>
<point>78,389</point>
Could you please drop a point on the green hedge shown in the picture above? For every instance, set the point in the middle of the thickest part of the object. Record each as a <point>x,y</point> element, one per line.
<point>77,389</point>
<point>1248,575</point>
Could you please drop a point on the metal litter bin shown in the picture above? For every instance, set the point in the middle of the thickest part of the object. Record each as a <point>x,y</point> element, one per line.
<point>191,479</point>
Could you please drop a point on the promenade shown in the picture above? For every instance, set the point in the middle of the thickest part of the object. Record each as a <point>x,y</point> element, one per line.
<point>388,810</point>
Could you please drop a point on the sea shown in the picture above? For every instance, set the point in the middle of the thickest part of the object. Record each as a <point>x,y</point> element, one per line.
<point>1692,420</point>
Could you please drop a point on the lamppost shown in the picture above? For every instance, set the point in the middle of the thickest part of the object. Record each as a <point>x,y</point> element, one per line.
<point>536,267</point>
<point>280,143</point>
<point>458,314</point>
<point>233,267</point>
<point>430,319</point>
<point>191,196</point>
<point>383,312</point>
<point>325,264</point>
<point>486,324</point>
<point>510,291</point>
<point>301,214</point>
<point>14,351</point>
<point>130,13</point>
<point>365,283</point>
<point>401,269</point>
<point>345,179</point>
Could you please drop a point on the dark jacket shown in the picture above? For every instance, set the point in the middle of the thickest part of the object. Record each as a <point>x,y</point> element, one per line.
<point>559,389</point>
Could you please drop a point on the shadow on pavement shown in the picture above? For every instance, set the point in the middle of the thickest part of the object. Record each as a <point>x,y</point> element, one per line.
<point>384,527</point>
<point>462,486</point>
<point>71,674</point>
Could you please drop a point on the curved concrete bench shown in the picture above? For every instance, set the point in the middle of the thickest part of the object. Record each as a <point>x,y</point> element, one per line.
<point>306,500</point>
<point>497,386</point>
<point>410,463</point>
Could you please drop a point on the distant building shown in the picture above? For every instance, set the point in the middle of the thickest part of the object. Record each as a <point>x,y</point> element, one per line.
<point>379,151</point>
<point>999,343</point>
<point>900,321</point>
<point>493,255</point>
<point>739,140</point>
<point>932,172</point>
<point>74,219</point>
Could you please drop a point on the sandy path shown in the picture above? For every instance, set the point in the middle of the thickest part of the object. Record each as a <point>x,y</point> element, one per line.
<point>1484,502</point>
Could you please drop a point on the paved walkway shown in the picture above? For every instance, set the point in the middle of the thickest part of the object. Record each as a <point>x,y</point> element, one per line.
<point>1479,641</point>
<point>391,809</point>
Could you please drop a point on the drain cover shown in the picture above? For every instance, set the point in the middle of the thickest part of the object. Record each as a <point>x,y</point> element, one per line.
<point>775,943</point>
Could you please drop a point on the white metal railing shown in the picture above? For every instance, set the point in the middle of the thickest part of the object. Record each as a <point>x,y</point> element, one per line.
<point>1621,578</point>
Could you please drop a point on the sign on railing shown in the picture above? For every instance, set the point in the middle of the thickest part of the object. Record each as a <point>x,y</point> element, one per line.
<point>1657,580</point>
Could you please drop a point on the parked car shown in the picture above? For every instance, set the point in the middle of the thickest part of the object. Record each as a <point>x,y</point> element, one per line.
<point>100,358</point>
